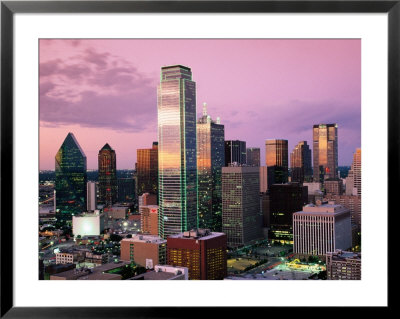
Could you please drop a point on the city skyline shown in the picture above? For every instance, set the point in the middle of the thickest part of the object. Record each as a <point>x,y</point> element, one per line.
<point>72,73</point>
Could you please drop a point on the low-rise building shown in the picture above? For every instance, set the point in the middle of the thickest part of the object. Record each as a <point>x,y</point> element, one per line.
<point>165,272</point>
<point>103,272</point>
<point>88,224</point>
<point>343,265</point>
<point>320,229</point>
<point>145,250</point>
<point>201,251</point>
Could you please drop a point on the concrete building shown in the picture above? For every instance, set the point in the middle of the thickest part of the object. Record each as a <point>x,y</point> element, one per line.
<point>351,202</point>
<point>241,212</point>
<point>321,229</point>
<point>88,224</point>
<point>353,180</point>
<point>333,186</point>
<point>314,191</point>
<point>91,196</point>
<point>103,272</point>
<point>149,219</point>
<point>147,199</point>
<point>144,250</point>
<point>343,265</point>
<point>201,251</point>
<point>263,179</point>
<point>117,212</point>
<point>165,272</point>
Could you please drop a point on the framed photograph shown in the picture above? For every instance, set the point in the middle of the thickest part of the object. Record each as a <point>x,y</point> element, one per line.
<point>213,142</point>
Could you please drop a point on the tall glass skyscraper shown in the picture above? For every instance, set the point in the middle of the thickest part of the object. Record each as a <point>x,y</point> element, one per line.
<point>276,159</point>
<point>235,152</point>
<point>71,179</point>
<point>177,160</point>
<point>300,163</point>
<point>108,190</point>
<point>210,160</point>
<point>147,170</point>
<point>325,151</point>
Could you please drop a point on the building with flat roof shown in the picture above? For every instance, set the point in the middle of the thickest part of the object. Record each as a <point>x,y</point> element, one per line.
<point>343,265</point>
<point>325,151</point>
<point>164,272</point>
<point>285,199</point>
<point>201,251</point>
<point>96,273</point>
<point>144,250</point>
<point>149,219</point>
<point>88,224</point>
<point>333,186</point>
<point>241,212</point>
<point>276,159</point>
<point>235,152</point>
<point>253,156</point>
<point>321,229</point>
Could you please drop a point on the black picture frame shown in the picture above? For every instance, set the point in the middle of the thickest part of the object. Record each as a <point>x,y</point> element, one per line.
<point>9,8</point>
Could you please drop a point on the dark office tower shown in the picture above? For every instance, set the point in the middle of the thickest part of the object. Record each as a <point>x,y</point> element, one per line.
<point>126,189</point>
<point>241,213</point>
<point>285,199</point>
<point>276,159</point>
<point>108,190</point>
<point>177,159</point>
<point>235,152</point>
<point>147,170</point>
<point>325,151</point>
<point>253,156</point>
<point>210,160</point>
<point>300,163</point>
<point>71,179</point>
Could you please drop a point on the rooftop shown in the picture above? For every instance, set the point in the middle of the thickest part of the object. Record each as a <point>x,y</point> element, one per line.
<point>153,239</point>
<point>330,209</point>
<point>200,234</point>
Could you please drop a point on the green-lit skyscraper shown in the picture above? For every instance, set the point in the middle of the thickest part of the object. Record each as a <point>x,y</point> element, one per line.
<point>71,179</point>
<point>210,160</point>
<point>177,163</point>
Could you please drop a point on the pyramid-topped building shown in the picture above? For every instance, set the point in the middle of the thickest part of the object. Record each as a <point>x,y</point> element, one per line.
<point>71,178</point>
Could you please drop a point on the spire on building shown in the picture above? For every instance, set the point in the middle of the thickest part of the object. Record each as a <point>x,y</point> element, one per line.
<point>204,109</point>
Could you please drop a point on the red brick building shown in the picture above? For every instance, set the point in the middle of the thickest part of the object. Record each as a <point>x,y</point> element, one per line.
<point>201,251</point>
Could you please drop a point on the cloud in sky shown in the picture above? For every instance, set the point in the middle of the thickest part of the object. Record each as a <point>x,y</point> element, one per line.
<point>261,89</point>
<point>96,89</point>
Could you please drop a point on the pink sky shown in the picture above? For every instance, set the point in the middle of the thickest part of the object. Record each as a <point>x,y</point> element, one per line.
<point>104,91</point>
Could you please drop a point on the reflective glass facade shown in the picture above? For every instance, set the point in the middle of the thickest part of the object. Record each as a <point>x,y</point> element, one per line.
<point>108,189</point>
<point>210,160</point>
<point>147,170</point>
<point>325,151</point>
<point>300,163</point>
<point>253,156</point>
<point>177,160</point>
<point>276,159</point>
<point>235,152</point>
<point>71,179</point>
